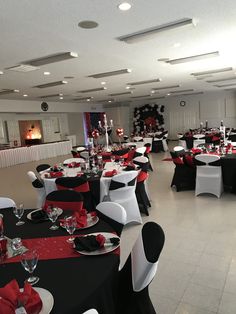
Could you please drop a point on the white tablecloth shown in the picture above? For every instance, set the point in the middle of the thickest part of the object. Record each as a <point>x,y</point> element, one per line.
<point>20,155</point>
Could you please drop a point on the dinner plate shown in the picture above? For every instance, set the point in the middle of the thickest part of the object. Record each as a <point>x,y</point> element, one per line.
<point>91,221</point>
<point>60,211</point>
<point>102,250</point>
<point>47,299</point>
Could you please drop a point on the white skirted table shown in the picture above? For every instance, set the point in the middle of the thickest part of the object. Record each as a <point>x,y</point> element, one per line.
<point>20,155</point>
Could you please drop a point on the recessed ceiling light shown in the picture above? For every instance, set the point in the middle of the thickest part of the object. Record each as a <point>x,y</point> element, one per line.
<point>60,94</point>
<point>168,94</point>
<point>46,73</point>
<point>1,72</point>
<point>16,90</point>
<point>88,99</point>
<point>61,97</point>
<point>88,24</point>
<point>124,6</point>
<point>109,101</point>
<point>152,92</point>
<point>25,95</point>
<point>103,83</point>
<point>176,45</point>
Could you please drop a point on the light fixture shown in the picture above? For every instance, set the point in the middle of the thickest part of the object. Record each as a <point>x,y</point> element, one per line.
<point>153,31</point>
<point>181,91</point>
<point>120,94</point>
<point>1,72</point>
<point>88,24</point>
<point>144,82</point>
<point>51,58</point>
<point>25,95</point>
<point>22,68</point>
<point>124,6</point>
<point>51,95</point>
<point>166,87</point>
<point>105,74</point>
<point>225,85</point>
<point>103,83</point>
<point>214,71</point>
<point>46,73</point>
<point>60,97</point>
<point>8,91</point>
<point>222,79</point>
<point>52,84</point>
<point>92,90</point>
<point>16,90</point>
<point>194,58</point>
<point>82,98</point>
<point>142,96</point>
<point>88,99</point>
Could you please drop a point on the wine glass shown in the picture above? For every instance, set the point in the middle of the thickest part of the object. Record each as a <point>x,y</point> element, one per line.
<point>29,261</point>
<point>52,213</point>
<point>18,212</point>
<point>121,162</point>
<point>113,158</point>
<point>70,225</point>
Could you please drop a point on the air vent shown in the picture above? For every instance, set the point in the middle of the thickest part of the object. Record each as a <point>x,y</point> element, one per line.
<point>82,98</point>
<point>194,58</point>
<point>181,91</point>
<point>225,85</point>
<point>52,84</point>
<point>153,31</point>
<point>106,100</point>
<point>142,96</point>
<point>52,95</point>
<point>52,58</point>
<point>192,94</point>
<point>166,87</point>
<point>105,74</point>
<point>120,94</point>
<point>212,71</point>
<point>92,90</point>
<point>222,79</point>
<point>23,68</point>
<point>144,82</point>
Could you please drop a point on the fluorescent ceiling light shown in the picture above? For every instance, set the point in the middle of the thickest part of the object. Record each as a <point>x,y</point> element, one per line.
<point>151,32</point>
<point>8,91</point>
<point>181,91</point>
<point>25,95</point>
<point>166,87</point>
<point>1,72</point>
<point>188,94</point>
<point>212,71</point>
<point>46,73</point>
<point>22,68</point>
<point>144,82</point>
<point>225,85</point>
<point>105,74</point>
<point>125,6</point>
<point>119,94</point>
<point>222,79</point>
<point>52,58</point>
<point>92,90</point>
<point>82,98</point>
<point>52,84</point>
<point>194,58</point>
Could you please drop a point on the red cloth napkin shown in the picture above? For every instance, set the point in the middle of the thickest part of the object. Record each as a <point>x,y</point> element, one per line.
<point>110,173</point>
<point>11,298</point>
<point>196,150</point>
<point>56,174</point>
<point>81,218</point>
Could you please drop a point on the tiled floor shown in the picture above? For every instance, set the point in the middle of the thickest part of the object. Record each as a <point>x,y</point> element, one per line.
<point>197,268</point>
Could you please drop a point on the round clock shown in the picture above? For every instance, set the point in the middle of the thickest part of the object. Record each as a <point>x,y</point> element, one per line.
<point>44,106</point>
<point>182,103</point>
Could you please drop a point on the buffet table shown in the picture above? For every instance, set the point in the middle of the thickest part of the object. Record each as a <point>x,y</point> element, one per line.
<point>19,155</point>
<point>77,282</point>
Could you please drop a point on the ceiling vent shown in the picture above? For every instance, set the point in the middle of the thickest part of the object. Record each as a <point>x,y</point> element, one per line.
<point>105,74</point>
<point>222,79</point>
<point>166,87</point>
<point>23,68</point>
<point>194,58</point>
<point>48,96</point>
<point>51,58</point>
<point>212,71</point>
<point>52,84</point>
<point>153,31</point>
<point>144,82</point>
<point>120,94</point>
<point>8,91</point>
<point>82,98</point>
<point>182,91</point>
<point>93,90</point>
<point>142,96</point>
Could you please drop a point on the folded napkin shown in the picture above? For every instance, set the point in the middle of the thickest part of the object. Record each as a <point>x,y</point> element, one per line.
<point>73,165</point>
<point>92,243</point>
<point>12,298</point>
<point>81,218</point>
<point>196,151</point>
<point>39,215</point>
<point>110,173</point>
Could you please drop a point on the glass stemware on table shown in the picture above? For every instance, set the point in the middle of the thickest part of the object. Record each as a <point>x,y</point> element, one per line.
<point>113,158</point>
<point>18,211</point>
<point>52,213</point>
<point>70,225</point>
<point>29,260</point>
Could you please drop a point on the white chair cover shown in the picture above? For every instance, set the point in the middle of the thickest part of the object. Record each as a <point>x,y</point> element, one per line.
<point>92,311</point>
<point>6,202</point>
<point>141,150</point>
<point>41,192</point>
<point>113,210</point>
<point>71,160</point>
<point>199,140</point>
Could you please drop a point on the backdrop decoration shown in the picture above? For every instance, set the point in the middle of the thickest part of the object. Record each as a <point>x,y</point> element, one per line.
<point>107,129</point>
<point>148,118</point>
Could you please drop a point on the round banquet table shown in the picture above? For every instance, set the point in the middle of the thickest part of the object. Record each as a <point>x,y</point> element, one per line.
<point>77,284</point>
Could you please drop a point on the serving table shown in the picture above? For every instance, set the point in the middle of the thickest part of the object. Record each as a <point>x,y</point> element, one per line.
<point>78,282</point>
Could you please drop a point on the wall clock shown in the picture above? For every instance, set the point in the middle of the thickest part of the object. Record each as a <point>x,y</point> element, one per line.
<point>182,103</point>
<point>44,106</point>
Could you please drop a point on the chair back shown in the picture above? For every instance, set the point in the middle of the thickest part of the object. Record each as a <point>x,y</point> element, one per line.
<point>43,167</point>
<point>78,184</point>
<point>65,199</point>
<point>140,151</point>
<point>91,311</point>
<point>138,139</point>
<point>114,214</point>
<point>6,202</point>
<point>126,179</point>
<point>39,186</point>
<point>179,150</point>
<point>207,159</point>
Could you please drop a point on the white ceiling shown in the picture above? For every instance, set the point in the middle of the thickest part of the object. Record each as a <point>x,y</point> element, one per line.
<point>32,29</point>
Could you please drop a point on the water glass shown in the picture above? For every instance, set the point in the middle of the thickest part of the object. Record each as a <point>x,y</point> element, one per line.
<point>19,211</point>
<point>70,225</point>
<point>29,261</point>
<point>16,244</point>
<point>52,213</point>
<point>113,158</point>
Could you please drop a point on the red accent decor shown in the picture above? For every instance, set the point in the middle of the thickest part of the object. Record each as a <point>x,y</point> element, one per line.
<point>142,176</point>
<point>81,188</point>
<point>148,149</point>
<point>120,132</point>
<point>95,134</point>
<point>64,205</point>
<point>178,161</point>
<point>131,155</point>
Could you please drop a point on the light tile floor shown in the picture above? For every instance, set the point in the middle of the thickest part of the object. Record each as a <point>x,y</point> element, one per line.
<point>197,268</point>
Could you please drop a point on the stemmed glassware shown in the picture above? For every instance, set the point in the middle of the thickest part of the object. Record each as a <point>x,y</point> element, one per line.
<point>18,212</point>
<point>52,213</point>
<point>29,261</point>
<point>70,225</point>
<point>113,158</point>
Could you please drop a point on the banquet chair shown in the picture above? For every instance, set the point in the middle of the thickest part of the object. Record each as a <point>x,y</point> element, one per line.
<point>198,139</point>
<point>122,191</point>
<point>182,141</point>
<point>209,175</point>
<point>42,167</point>
<point>40,189</point>
<point>121,153</point>
<point>140,190</point>
<point>138,139</point>
<point>179,150</point>
<point>6,202</point>
<point>91,311</point>
<point>159,143</point>
<point>78,184</point>
<point>65,199</point>
<point>147,152</point>
<point>75,154</point>
<point>184,177</point>
<point>139,270</point>
<point>114,214</point>
<point>140,151</point>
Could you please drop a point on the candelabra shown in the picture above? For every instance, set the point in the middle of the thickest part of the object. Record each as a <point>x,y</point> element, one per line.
<point>106,127</point>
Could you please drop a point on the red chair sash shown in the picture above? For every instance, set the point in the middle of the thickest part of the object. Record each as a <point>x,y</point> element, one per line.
<point>142,176</point>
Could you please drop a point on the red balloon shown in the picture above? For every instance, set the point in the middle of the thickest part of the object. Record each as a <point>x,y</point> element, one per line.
<point>120,132</point>
<point>95,134</point>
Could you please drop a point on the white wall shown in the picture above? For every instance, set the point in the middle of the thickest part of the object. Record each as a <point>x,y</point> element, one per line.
<point>75,122</point>
<point>120,117</point>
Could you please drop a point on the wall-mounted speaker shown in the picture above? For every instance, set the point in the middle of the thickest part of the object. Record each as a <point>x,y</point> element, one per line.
<point>44,106</point>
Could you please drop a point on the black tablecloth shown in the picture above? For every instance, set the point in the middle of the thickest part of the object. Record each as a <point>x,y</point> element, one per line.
<point>229,172</point>
<point>76,284</point>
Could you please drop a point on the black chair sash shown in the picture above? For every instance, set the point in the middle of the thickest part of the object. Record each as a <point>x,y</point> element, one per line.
<point>37,184</point>
<point>216,163</point>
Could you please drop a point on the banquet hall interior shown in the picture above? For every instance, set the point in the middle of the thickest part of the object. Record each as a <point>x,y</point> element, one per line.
<point>96,77</point>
